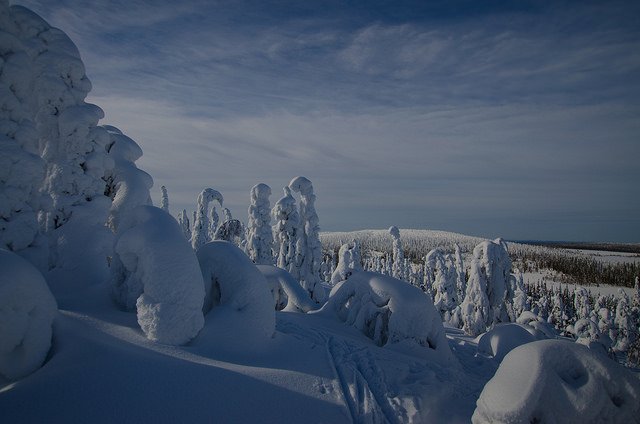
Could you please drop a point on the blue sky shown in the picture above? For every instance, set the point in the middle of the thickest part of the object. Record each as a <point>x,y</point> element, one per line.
<point>491,118</point>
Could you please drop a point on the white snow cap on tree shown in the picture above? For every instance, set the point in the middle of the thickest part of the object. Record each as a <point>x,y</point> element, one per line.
<point>200,234</point>
<point>285,232</point>
<point>288,294</point>
<point>444,285</point>
<point>309,248</point>
<point>155,270</point>
<point>260,238</point>
<point>558,381</point>
<point>27,311</point>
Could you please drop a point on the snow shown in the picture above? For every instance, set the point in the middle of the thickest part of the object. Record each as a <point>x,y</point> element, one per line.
<point>287,292</point>
<point>559,381</point>
<point>27,311</point>
<point>390,312</point>
<point>217,338</point>
<point>502,339</point>
<point>234,283</point>
<point>155,270</point>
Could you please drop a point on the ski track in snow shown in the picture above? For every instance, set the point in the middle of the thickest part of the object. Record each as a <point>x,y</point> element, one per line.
<point>360,380</point>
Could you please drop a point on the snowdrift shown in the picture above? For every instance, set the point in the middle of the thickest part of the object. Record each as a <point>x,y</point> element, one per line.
<point>552,381</point>
<point>27,311</point>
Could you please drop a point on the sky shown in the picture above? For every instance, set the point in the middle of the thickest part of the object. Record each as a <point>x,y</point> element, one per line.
<point>518,119</point>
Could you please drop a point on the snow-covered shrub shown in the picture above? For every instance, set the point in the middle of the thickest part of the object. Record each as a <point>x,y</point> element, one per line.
<point>233,281</point>
<point>288,294</point>
<point>27,311</point>
<point>214,222</point>
<point>503,338</point>
<point>259,236</point>
<point>155,270</point>
<point>309,248</point>
<point>390,312</point>
<point>286,232</point>
<point>232,231</point>
<point>200,233</point>
<point>559,381</point>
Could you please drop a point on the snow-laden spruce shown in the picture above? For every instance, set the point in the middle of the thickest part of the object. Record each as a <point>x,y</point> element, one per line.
<point>155,271</point>
<point>200,233</point>
<point>164,202</point>
<point>232,281</point>
<point>259,236</point>
<point>288,294</point>
<point>286,232</point>
<point>308,248</point>
<point>27,311</point>
<point>557,381</point>
<point>445,297</point>
<point>390,312</point>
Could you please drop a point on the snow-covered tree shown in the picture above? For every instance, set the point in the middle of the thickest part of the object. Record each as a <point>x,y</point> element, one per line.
<point>398,254</point>
<point>475,308</point>
<point>259,236</point>
<point>461,280</point>
<point>285,231</point>
<point>445,298</point>
<point>226,213</point>
<point>309,248</point>
<point>185,225</point>
<point>349,261</point>
<point>164,202</point>
<point>581,303</point>
<point>214,222</point>
<point>200,234</point>
<point>627,328</point>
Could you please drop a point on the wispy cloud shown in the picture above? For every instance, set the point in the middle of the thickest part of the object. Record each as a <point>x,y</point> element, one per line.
<point>488,120</point>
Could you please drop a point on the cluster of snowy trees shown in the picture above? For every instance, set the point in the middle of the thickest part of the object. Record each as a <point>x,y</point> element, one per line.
<point>486,292</point>
<point>292,242</point>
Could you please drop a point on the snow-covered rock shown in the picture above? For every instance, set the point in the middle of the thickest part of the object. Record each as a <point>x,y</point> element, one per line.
<point>233,281</point>
<point>558,381</point>
<point>156,271</point>
<point>390,312</point>
<point>288,294</point>
<point>27,311</point>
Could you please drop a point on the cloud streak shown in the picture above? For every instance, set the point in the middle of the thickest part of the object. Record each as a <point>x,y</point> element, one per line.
<point>485,119</point>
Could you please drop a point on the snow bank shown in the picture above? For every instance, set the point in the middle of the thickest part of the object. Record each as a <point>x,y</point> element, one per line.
<point>559,381</point>
<point>390,312</point>
<point>155,270</point>
<point>27,310</point>
<point>287,292</point>
<point>502,339</point>
<point>232,280</point>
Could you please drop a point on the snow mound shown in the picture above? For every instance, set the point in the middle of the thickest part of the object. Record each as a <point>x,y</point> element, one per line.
<point>287,292</point>
<point>390,312</point>
<point>502,339</point>
<point>27,311</point>
<point>155,270</point>
<point>232,280</point>
<point>559,381</point>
